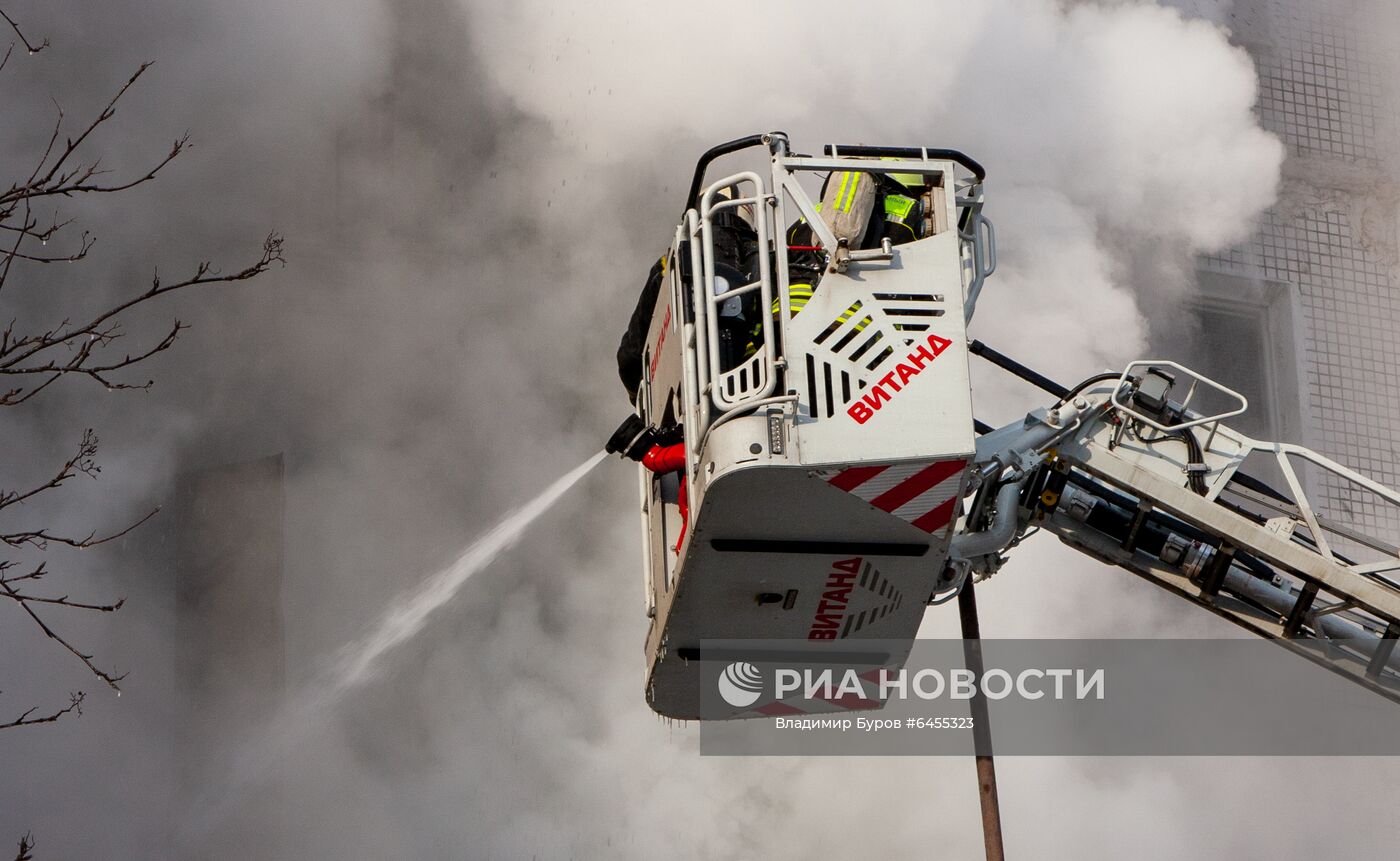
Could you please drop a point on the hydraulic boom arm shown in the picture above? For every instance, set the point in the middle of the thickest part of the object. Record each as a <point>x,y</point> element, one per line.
<point>1119,469</point>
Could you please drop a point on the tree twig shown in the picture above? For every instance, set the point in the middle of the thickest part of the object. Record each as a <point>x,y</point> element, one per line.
<point>33,49</point>
<point>21,356</point>
<point>31,361</point>
<point>75,705</point>
<point>40,538</point>
<point>82,462</point>
<point>8,590</point>
<point>26,845</point>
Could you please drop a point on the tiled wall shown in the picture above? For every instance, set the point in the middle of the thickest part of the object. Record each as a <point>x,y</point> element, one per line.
<point>1332,236</point>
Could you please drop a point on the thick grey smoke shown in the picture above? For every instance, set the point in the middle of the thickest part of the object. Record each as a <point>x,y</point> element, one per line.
<point>472,194</point>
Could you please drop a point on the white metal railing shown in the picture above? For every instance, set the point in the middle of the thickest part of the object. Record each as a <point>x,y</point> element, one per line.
<point>696,407</point>
<point>753,381</point>
<point>1317,526</point>
<point>1196,380</point>
<point>755,377</point>
<point>1301,506</point>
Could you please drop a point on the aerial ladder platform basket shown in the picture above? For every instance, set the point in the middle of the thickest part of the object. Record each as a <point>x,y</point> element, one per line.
<point>823,471</point>
<point>836,482</point>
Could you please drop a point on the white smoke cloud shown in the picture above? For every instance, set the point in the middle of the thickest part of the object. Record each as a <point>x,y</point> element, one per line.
<point>1126,118</point>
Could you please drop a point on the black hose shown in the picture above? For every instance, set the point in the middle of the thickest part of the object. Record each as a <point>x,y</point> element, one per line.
<point>710,155</point>
<point>1193,445</point>
<point>1194,480</point>
<point>1096,378</point>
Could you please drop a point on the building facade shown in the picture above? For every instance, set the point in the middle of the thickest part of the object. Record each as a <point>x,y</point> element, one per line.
<point>1305,315</point>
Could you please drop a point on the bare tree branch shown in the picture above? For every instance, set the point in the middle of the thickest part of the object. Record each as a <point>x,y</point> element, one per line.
<point>51,177</point>
<point>26,844</point>
<point>37,574</point>
<point>40,539</point>
<point>21,356</point>
<point>31,361</point>
<point>58,181</point>
<point>33,49</point>
<point>64,602</point>
<point>75,706</point>
<point>84,246</point>
<point>9,591</point>
<point>41,235</point>
<point>83,462</point>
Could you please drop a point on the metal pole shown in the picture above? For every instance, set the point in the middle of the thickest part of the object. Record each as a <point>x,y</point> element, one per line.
<point>981,729</point>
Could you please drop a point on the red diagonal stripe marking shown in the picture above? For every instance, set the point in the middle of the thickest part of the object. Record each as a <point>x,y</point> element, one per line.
<point>917,484</point>
<point>850,479</point>
<point>852,701</point>
<point>775,709</point>
<point>937,518</point>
